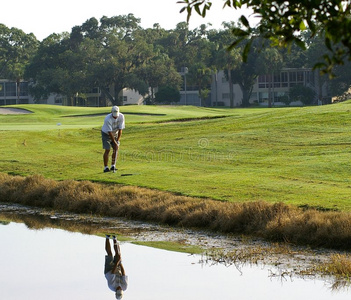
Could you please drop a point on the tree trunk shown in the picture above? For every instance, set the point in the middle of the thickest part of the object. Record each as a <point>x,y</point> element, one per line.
<point>18,82</point>
<point>108,95</point>
<point>270,91</point>
<point>118,97</point>
<point>231,91</point>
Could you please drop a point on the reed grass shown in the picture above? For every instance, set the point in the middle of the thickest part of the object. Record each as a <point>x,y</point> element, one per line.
<point>274,222</point>
<point>339,265</point>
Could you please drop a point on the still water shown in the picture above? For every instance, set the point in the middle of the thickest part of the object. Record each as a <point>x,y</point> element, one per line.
<point>53,264</point>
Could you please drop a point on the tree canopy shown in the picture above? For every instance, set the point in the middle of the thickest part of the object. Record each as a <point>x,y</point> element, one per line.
<point>116,53</point>
<point>16,51</point>
<point>284,21</point>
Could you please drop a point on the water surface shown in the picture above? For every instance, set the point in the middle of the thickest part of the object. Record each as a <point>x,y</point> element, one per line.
<point>50,264</point>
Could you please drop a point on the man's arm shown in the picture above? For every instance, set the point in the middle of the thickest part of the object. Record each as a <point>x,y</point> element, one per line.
<point>122,270</point>
<point>119,135</point>
<point>113,139</point>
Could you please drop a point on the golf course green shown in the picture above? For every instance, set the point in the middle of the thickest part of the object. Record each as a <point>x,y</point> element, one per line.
<point>299,156</point>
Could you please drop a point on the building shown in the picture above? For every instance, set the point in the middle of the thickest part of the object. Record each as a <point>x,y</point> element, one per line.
<point>220,92</point>
<point>11,94</point>
<point>272,89</point>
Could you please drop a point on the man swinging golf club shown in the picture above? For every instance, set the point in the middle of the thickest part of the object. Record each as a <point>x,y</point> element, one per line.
<point>111,133</point>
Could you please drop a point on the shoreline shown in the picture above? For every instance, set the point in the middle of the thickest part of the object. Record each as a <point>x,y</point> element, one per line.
<point>296,259</point>
<point>276,222</point>
<point>281,260</point>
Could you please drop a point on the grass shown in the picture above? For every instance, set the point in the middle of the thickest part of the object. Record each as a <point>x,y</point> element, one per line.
<point>299,156</point>
<point>172,246</point>
<point>282,174</point>
<point>275,222</point>
<point>339,266</point>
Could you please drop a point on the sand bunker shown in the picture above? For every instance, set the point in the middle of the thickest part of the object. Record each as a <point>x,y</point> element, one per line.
<point>13,111</point>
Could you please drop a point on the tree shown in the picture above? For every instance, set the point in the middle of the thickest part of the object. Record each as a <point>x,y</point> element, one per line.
<point>201,75</point>
<point>167,94</point>
<point>225,60</point>
<point>262,60</point>
<point>283,21</point>
<point>58,67</point>
<point>160,71</point>
<point>245,74</point>
<point>269,64</point>
<point>341,84</point>
<point>302,93</point>
<point>105,54</point>
<point>120,50</point>
<point>16,50</point>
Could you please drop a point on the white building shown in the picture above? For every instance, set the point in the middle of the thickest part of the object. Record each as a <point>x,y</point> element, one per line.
<point>273,87</point>
<point>10,94</point>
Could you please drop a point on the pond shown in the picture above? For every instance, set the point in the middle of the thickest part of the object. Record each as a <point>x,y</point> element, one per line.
<point>56,264</point>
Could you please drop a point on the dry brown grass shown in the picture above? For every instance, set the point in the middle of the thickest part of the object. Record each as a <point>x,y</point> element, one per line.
<point>276,222</point>
<point>338,266</point>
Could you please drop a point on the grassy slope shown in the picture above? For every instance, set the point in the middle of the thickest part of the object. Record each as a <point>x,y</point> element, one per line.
<point>295,155</point>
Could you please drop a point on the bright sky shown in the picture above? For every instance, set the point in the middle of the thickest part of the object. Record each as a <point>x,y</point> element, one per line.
<point>43,17</point>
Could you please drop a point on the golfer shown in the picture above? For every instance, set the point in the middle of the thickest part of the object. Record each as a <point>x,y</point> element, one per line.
<point>111,133</point>
<point>117,280</point>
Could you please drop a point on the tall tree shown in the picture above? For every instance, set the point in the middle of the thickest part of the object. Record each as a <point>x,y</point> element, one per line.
<point>283,21</point>
<point>160,71</point>
<point>101,54</point>
<point>58,68</point>
<point>16,50</point>
<point>270,64</point>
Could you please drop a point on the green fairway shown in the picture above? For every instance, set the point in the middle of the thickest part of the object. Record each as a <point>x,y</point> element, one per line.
<point>294,155</point>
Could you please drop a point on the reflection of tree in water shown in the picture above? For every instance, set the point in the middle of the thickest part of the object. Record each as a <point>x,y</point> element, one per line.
<point>37,222</point>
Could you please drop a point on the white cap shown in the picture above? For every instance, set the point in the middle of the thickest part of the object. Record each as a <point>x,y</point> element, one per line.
<point>115,111</point>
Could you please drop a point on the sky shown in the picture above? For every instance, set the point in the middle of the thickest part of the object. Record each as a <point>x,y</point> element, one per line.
<point>43,17</point>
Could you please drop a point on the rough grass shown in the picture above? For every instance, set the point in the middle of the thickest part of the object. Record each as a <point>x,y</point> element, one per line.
<point>339,265</point>
<point>275,222</point>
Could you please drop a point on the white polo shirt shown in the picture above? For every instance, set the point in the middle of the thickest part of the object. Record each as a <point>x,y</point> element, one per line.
<point>113,125</point>
<point>116,280</point>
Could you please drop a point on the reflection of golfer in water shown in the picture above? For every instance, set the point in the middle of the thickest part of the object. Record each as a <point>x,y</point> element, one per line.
<point>114,272</point>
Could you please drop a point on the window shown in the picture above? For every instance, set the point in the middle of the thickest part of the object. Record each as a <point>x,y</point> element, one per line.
<point>292,76</point>
<point>276,80</point>
<point>10,89</point>
<point>263,96</point>
<point>253,96</point>
<point>284,79</point>
<point>262,81</point>
<point>2,90</point>
<point>58,100</point>
<point>24,89</point>
<point>280,96</point>
<point>299,76</point>
<point>269,79</point>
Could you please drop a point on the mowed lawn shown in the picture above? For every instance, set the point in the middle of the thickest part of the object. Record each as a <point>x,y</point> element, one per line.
<point>299,155</point>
